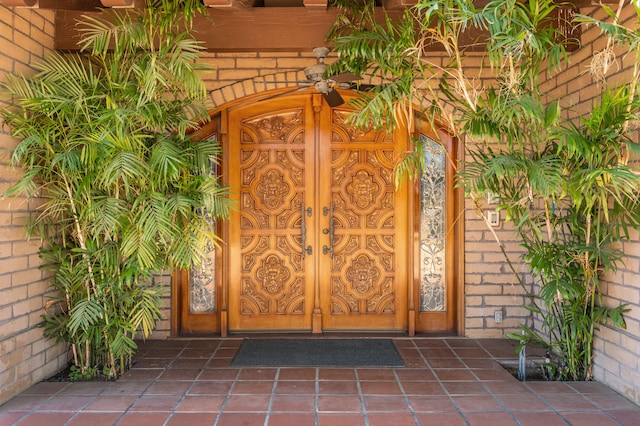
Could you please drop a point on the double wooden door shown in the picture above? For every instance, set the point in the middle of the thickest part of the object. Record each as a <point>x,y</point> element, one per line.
<point>320,237</point>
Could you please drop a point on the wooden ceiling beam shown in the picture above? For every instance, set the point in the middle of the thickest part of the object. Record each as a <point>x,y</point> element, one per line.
<point>398,4</point>
<point>235,4</point>
<point>118,3</point>
<point>319,4</point>
<point>87,5</point>
<point>19,3</point>
<point>91,5</point>
<point>237,30</point>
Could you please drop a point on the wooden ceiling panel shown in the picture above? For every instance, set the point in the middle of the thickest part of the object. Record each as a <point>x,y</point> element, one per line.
<point>87,5</point>
<point>237,30</point>
<point>118,3</point>
<point>91,5</point>
<point>19,3</point>
<point>238,25</point>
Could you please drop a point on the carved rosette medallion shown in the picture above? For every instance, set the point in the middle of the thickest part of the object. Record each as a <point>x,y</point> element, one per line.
<point>362,274</point>
<point>276,126</point>
<point>272,189</point>
<point>272,274</point>
<point>363,189</point>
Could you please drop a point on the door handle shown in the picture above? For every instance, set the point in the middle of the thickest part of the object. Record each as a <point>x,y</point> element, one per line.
<point>328,211</point>
<point>303,230</point>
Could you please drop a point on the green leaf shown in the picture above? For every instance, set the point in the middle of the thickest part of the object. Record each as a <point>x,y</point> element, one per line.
<point>85,314</point>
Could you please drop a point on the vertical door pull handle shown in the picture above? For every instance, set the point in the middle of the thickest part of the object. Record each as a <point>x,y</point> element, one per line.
<point>303,231</point>
<point>328,211</point>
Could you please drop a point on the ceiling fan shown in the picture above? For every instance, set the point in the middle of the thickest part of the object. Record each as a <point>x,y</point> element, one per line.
<point>327,86</point>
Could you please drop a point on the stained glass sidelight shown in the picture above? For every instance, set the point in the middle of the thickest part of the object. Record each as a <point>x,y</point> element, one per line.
<point>202,285</point>
<point>202,280</point>
<point>432,228</point>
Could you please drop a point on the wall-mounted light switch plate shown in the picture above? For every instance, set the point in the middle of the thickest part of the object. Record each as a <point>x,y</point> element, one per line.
<point>494,217</point>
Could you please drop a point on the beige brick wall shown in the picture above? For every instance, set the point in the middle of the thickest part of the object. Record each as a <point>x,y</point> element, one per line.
<point>26,357</point>
<point>489,283</point>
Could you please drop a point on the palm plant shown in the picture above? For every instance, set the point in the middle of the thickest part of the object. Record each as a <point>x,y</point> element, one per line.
<point>105,144</point>
<point>562,183</point>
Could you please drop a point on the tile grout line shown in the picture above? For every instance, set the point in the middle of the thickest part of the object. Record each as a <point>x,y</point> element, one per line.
<point>400,385</point>
<point>228,395</point>
<point>316,397</point>
<point>193,382</point>
<point>271,398</point>
<point>453,402</point>
<point>482,382</point>
<point>362,404</point>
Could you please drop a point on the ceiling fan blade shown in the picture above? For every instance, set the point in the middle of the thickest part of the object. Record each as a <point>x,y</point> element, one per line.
<point>363,87</point>
<point>333,98</point>
<point>345,77</point>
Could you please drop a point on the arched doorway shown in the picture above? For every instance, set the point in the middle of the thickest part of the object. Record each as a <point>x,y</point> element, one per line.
<point>322,240</point>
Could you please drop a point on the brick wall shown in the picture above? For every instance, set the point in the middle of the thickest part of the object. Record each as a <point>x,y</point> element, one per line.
<point>25,356</point>
<point>489,283</point>
<point>616,351</point>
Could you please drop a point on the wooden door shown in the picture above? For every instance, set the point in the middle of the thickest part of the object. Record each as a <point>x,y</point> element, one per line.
<point>364,221</point>
<point>320,237</point>
<point>271,160</point>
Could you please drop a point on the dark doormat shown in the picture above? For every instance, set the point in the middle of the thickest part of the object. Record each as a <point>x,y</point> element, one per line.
<point>317,353</point>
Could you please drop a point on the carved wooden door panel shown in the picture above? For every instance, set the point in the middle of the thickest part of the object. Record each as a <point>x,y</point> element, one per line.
<point>270,169</point>
<point>319,239</point>
<point>365,232</point>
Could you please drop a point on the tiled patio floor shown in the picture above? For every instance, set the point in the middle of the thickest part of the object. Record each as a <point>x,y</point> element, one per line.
<point>446,381</point>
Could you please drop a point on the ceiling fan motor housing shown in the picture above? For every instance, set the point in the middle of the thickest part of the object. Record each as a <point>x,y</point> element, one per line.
<point>316,72</point>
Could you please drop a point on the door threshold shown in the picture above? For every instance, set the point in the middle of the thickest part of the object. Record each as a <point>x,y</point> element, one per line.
<point>323,335</point>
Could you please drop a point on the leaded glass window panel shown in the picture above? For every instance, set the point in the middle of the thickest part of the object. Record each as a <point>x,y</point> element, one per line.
<point>432,228</point>
<point>202,285</point>
<point>202,279</point>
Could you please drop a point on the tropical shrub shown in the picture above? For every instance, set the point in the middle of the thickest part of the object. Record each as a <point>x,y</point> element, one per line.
<point>126,193</point>
<point>560,177</point>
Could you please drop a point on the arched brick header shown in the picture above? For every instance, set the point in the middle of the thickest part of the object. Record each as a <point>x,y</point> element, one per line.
<point>258,84</point>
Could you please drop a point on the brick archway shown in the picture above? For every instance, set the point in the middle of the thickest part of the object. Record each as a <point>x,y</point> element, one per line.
<point>251,86</point>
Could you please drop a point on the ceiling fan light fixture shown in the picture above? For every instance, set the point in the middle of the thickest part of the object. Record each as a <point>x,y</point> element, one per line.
<point>315,72</point>
<point>322,86</point>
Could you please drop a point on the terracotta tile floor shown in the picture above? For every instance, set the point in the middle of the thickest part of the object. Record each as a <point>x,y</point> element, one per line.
<point>446,381</point>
